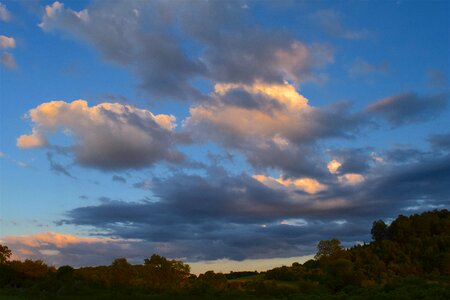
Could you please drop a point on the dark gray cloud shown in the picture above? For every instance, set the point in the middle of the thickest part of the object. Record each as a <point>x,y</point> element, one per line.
<point>118,178</point>
<point>58,168</point>
<point>229,216</point>
<point>440,141</point>
<point>406,154</point>
<point>169,44</point>
<point>353,160</point>
<point>409,107</point>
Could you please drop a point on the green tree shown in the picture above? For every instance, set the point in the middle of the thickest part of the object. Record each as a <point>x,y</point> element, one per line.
<point>5,254</point>
<point>121,271</point>
<point>379,230</point>
<point>162,273</point>
<point>328,248</point>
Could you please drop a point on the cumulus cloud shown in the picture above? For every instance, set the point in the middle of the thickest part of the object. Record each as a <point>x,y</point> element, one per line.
<point>7,42</point>
<point>5,15</point>
<point>106,136</point>
<point>409,107</point>
<point>149,38</point>
<point>272,124</point>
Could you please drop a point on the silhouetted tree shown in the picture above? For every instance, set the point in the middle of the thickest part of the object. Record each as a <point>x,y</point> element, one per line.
<point>328,248</point>
<point>5,254</point>
<point>379,230</point>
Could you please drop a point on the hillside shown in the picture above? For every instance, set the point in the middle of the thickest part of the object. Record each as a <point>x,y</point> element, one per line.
<point>408,259</point>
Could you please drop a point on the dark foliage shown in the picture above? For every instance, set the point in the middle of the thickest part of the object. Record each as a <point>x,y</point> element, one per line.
<point>408,259</point>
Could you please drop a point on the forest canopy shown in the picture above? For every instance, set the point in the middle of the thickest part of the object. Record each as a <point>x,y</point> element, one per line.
<point>408,257</point>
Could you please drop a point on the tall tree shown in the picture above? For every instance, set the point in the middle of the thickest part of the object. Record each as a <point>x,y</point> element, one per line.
<point>5,254</point>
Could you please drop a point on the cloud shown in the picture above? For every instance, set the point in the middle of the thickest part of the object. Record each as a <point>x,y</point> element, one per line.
<point>351,178</point>
<point>7,42</point>
<point>350,160</point>
<point>401,154</point>
<point>5,15</point>
<point>66,249</point>
<point>409,108</point>
<point>330,21</point>
<point>106,136</point>
<point>145,184</point>
<point>33,140</point>
<point>220,215</point>
<point>362,67</point>
<point>440,141</point>
<point>7,59</point>
<point>118,178</point>
<point>333,166</point>
<point>58,168</point>
<point>150,38</point>
<point>309,185</point>
<point>271,124</point>
<point>437,79</point>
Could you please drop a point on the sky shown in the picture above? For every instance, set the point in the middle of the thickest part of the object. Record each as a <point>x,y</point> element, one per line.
<point>228,134</point>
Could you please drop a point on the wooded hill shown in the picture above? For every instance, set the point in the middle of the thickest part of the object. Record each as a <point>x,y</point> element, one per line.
<point>408,259</point>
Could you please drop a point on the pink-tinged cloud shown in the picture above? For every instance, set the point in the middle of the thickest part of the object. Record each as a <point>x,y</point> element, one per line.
<point>61,249</point>
<point>7,42</point>
<point>8,60</point>
<point>5,15</point>
<point>351,178</point>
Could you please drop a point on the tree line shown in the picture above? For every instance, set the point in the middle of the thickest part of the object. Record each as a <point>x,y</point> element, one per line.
<point>407,258</point>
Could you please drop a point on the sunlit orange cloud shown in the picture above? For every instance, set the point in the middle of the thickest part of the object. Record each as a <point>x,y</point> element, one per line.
<point>284,93</point>
<point>52,114</point>
<point>107,135</point>
<point>351,178</point>
<point>56,239</point>
<point>33,140</point>
<point>260,125</point>
<point>308,185</point>
<point>333,166</point>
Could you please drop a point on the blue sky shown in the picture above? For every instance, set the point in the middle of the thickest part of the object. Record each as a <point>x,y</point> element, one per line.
<point>206,129</point>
